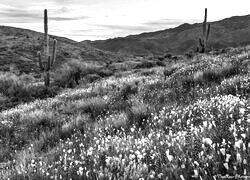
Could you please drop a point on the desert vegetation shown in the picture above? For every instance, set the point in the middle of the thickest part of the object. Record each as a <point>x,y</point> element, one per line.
<point>167,117</point>
<point>188,123</point>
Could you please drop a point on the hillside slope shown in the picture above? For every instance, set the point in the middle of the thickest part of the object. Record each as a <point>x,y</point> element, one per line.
<point>230,32</point>
<point>19,47</point>
<point>138,125</point>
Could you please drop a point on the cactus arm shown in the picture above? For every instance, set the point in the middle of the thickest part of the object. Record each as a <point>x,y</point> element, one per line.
<point>40,61</point>
<point>54,52</point>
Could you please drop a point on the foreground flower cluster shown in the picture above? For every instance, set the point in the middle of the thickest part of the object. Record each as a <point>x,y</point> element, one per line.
<point>203,140</point>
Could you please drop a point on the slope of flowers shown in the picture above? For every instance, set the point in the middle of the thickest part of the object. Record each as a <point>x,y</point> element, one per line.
<point>206,139</point>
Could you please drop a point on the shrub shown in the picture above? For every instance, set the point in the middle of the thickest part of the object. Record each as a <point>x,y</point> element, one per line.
<point>210,76</point>
<point>138,114</point>
<point>161,58</point>
<point>168,72</point>
<point>92,77</point>
<point>127,89</point>
<point>187,82</point>
<point>118,100</point>
<point>145,64</point>
<point>147,72</point>
<point>95,107</point>
<point>70,74</point>
<point>14,87</point>
<point>105,72</point>
<point>41,91</point>
<point>215,75</point>
<point>160,63</point>
<point>229,70</point>
<point>169,56</point>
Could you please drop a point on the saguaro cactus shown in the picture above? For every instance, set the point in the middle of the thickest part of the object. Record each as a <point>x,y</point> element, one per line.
<point>50,60</point>
<point>206,31</point>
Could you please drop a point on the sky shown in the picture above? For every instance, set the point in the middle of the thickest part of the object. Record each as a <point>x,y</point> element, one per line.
<point>102,19</point>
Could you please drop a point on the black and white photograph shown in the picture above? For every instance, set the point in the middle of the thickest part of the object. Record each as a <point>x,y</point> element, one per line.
<point>124,89</point>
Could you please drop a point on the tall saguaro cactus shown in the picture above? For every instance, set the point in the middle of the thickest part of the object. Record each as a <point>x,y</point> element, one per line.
<point>50,60</point>
<point>206,31</point>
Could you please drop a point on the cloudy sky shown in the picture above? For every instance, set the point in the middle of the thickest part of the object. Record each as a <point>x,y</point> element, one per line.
<point>102,19</point>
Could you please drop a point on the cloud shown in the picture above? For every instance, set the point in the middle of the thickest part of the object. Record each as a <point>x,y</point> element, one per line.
<point>127,28</point>
<point>23,16</point>
<point>68,18</point>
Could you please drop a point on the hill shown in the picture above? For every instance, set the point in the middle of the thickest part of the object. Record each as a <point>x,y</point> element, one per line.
<point>230,32</point>
<point>19,47</point>
<point>194,123</point>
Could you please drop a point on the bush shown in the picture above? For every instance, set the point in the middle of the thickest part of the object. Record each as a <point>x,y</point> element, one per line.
<point>210,76</point>
<point>12,86</point>
<point>127,89</point>
<point>229,70</point>
<point>105,72</point>
<point>168,56</point>
<point>138,114</point>
<point>95,106</point>
<point>41,91</point>
<point>215,75</point>
<point>145,64</point>
<point>70,74</point>
<point>118,100</point>
<point>160,63</point>
<point>92,77</point>
<point>147,72</point>
<point>168,72</point>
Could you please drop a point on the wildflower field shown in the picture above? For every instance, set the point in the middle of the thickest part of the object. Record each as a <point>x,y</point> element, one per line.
<point>188,120</point>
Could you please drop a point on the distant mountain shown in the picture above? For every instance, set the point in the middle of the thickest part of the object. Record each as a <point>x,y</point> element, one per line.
<point>234,31</point>
<point>19,47</point>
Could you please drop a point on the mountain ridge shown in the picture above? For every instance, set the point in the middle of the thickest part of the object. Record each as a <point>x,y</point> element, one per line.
<point>233,31</point>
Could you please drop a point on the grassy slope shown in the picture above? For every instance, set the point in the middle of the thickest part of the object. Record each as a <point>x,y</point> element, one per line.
<point>137,125</point>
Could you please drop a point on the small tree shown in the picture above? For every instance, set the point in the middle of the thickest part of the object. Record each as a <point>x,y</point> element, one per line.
<point>206,31</point>
<point>46,64</point>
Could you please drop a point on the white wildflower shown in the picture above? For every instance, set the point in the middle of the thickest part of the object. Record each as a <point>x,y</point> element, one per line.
<point>207,141</point>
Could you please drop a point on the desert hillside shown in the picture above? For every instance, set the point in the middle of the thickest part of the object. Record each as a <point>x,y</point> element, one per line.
<point>188,120</point>
<point>19,47</point>
<point>138,107</point>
